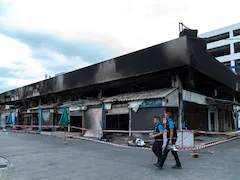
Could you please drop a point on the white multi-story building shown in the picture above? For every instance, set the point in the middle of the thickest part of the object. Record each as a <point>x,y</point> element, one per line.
<point>224,45</point>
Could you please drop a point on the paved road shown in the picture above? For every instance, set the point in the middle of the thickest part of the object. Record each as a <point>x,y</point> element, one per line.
<point>38,157</point>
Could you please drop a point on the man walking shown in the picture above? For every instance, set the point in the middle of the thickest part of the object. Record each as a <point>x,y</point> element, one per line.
<point>172,138</point>
<point>158,136</point>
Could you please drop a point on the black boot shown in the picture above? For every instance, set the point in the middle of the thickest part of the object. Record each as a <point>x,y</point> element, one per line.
<point>177,167</point>
<point>157,164</point>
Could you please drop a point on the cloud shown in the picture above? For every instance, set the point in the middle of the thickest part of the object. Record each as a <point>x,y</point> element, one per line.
<point>27,56</point>
<point>17,68</point>
<point>41,42</point>
<point>11,83</point>
<point>28,60</point>
<point>134,24</point>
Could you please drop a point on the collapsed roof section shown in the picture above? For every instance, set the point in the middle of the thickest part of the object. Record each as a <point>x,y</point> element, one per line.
<point>181,52</point>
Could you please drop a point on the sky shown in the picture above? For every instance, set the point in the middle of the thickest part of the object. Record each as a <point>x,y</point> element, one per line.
<point>39,37</point>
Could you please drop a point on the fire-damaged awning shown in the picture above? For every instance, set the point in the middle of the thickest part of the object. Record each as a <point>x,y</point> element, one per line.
<point>167,97</point>
<point>80,103</point>
<point>34,110</point>
<point>213,101</point>
<point>77,106</point>
<point>44,106</point>
<point>204,100</point>
<point>144,95</point>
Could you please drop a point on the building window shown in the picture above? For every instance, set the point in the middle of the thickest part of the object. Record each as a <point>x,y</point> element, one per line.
<point>236,32</point>
<point>220,51</point>
<point>237,62</point>
<point>237,65</point>
<point>237,47</point>
<point>228,63</point>
<point>217,37</point>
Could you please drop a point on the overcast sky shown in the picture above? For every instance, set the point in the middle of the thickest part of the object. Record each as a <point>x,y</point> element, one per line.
<point>39,37</point>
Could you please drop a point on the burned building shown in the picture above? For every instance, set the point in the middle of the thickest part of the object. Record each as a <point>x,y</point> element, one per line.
<point>125,92</point>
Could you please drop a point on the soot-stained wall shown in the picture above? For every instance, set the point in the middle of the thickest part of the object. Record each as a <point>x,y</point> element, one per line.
<point>206,64</point>
<point>161,57</point>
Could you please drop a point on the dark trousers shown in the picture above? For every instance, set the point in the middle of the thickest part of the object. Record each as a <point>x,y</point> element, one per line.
<point>165,153</point>
<point>157,148</point>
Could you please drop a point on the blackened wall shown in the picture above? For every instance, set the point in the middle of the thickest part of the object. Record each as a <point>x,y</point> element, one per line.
<point>206,64</point>
<point>161,57</point>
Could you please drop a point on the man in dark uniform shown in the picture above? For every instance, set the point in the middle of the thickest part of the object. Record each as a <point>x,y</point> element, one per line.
<point>172,138</point>
<point>158,136</point>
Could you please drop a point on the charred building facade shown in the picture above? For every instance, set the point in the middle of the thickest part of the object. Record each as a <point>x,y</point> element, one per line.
<point>126,92</point>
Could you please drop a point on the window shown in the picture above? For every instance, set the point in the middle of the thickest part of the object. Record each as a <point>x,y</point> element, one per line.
<point>220,51</point>
<point>237,66</point>
<point>228,63</point>
<point>217,37</point>
<point>237,47</point>
<point>237,62</point>
<point>236,32</point>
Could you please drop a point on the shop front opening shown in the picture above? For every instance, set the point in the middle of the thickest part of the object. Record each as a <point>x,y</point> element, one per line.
<point>117,122</point>
<point>212,118</point>
<point>34,120</point>
<point>196,116</point>
<point>76,121</point>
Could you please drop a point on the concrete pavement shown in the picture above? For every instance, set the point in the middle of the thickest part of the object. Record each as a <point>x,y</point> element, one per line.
<point>38,157</point>
<point>3,166</point>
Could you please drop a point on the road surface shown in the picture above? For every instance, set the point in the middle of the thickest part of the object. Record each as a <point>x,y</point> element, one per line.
<point>39,157</point>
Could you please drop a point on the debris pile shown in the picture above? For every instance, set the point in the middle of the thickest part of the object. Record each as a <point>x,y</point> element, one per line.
<point>136,142</point>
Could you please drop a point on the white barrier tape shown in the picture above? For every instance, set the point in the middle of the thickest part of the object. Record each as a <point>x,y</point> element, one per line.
<point>130,147</point>
<point>215,143</point>
<point>208,132</point>
<point>35,126</point>
<point>122,131</point>
<point>124,146</point>
<point>109,143</point>
<point>90,139</point>
<point>30,132</point>
<point>86,129</point>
